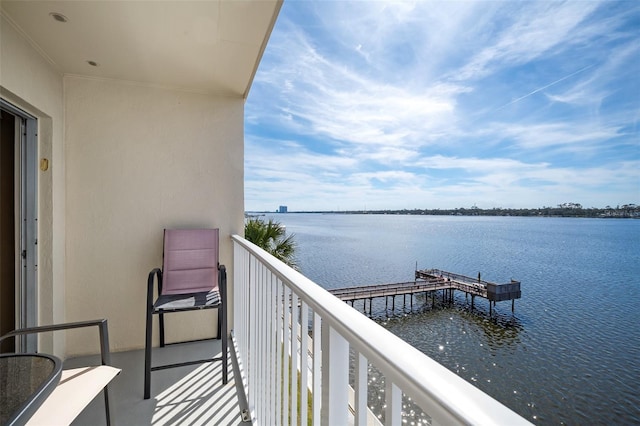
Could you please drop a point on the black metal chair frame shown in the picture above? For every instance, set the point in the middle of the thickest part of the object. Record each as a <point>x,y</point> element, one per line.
<point>152,309</point>
<point>105,355</point>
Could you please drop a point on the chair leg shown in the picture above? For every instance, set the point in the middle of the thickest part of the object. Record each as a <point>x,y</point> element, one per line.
<point>106,404</point>
<point>147,355</point>
<point>224,337</point>
<point>161,321</point>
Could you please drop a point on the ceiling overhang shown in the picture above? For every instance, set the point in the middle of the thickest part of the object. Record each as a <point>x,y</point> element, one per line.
<point>208,46</point>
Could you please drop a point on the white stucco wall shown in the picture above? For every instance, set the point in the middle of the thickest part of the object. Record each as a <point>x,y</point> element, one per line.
<point>30,82</point>
<point>138,160</point>
<point>125,162</point>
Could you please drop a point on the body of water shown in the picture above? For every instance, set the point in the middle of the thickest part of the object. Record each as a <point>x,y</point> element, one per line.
<point>570,354</point>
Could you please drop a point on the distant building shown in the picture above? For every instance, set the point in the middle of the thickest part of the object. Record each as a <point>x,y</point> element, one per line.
<point>282,209</point>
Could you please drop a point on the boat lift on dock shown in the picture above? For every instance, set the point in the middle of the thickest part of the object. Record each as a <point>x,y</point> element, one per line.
<point>429,281</point>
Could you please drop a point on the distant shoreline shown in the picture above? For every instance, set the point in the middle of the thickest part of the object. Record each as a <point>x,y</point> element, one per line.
<point>630,211</point>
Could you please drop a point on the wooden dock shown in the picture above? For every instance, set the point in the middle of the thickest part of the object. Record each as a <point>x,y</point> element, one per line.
<point>429,281</point>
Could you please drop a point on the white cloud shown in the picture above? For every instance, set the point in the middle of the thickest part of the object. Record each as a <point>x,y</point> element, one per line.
<point>275,157</point>
<point>593,89</point>
<point>576,137</point>
<point>535,30</point>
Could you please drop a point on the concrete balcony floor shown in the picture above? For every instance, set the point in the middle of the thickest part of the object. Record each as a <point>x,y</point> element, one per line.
<point>191,395</point>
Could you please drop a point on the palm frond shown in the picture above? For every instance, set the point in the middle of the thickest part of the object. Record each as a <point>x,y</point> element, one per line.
<point>272,237</point>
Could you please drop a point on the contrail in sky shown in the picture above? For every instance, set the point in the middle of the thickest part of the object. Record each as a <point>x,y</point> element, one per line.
<point>543,87</point>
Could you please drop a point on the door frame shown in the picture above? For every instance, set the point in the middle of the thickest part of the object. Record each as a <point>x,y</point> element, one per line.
<point>26,145</point>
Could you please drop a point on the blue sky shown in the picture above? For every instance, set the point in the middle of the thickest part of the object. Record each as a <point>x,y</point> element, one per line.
<point>378,105</point>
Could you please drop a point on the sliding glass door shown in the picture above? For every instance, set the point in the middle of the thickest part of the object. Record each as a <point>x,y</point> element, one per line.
<point>18,223</point>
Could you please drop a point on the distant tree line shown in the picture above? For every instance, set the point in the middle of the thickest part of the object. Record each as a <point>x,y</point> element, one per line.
<point>562,210</point>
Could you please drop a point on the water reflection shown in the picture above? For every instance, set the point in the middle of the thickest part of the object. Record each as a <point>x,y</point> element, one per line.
<point>502,328</point>
<point>411,413</point>
<point>468,341</point>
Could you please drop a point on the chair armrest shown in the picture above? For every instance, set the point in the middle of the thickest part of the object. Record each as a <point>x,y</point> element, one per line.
<point>157,272</point>
<point>100,323</point>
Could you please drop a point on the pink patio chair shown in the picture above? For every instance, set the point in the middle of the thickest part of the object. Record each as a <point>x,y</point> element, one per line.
<point>191,278</point>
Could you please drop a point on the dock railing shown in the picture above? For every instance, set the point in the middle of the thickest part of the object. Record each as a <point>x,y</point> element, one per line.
<point>425,274</point>
<point>381,290</point>
<point>271,301</point>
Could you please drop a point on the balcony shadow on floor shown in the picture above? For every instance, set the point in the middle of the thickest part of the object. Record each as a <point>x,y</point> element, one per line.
<point>191,395</point>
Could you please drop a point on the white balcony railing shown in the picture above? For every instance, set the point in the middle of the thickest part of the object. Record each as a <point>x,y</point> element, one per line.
<point>271,301</point>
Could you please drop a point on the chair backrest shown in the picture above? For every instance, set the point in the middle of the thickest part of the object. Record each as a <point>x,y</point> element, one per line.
<point>190,261</point>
